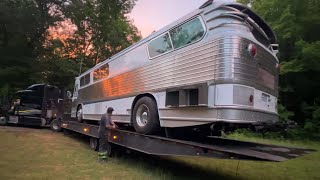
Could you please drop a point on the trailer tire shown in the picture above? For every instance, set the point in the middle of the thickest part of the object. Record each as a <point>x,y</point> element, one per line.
<point>145,118</point>
<point>94,143</point>
<point>79,114</point>
<point>66,132</point>
<point>55,125</point>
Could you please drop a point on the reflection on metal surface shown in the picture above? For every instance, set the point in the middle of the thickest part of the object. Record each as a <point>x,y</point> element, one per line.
<point>101,73</point>
<point>222,59</point>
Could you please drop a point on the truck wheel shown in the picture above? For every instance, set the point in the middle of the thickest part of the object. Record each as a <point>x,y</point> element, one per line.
<point>3,121</point>
<point>55,125</point>
<point>79,114</point>
<point>94,143</point>
<point>145,117</point>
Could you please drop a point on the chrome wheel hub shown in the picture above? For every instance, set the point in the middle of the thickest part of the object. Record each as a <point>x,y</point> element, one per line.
<point>142,116</point>
<point>79,114</point>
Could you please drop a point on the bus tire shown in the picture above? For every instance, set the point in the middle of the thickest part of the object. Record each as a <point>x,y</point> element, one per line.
<point>79,114</point>
<point>55,125</point>
<point>145,118</point>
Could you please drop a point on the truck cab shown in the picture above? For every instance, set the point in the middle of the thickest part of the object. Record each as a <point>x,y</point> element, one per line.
<point>37,105</point>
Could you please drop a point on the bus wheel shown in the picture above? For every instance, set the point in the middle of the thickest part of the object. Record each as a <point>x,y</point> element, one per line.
<point>79,114</point>
<point>145,117</point>
<point>55,125</point>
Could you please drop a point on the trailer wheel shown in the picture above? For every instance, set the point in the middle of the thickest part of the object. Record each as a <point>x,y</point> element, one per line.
<point>55,125</point>
<point>94,143</point>
<point>79,114</point>
<point>66,132</point>
<point>145,117</point>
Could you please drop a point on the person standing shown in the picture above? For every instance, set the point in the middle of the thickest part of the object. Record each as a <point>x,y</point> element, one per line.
<point>105,123</point>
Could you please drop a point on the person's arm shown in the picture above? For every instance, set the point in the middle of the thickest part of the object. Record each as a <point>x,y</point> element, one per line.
<point>114,125</point>
<point>110,123</point>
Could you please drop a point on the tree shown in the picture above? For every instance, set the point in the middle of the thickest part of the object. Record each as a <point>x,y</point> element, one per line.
<point>100,29</point>
<point>47,40</point>
<point>296,24</point>
<point>22,29</point>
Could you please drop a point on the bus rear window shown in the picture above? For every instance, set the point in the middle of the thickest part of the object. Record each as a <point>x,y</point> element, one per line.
<point>159,45</point>
<point>101,73</point>
<point>187,33</point>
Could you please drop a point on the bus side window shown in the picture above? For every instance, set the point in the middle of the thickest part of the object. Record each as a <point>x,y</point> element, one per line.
<point>101,73</point>
<point>160,45</point>
<point>85,80</point>
<point>75,93</point>
<point>187,33</point>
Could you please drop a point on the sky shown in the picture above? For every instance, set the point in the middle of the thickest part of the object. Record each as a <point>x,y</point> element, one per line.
<point>152,15</point>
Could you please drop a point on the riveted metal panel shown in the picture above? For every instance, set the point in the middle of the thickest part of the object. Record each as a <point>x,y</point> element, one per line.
<point>200,64</point>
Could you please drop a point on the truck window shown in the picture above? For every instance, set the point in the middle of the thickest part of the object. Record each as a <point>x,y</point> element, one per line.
<point>187,33</point>
<point>101,73</point>
<point>159,45</point>
<point>85,80</point>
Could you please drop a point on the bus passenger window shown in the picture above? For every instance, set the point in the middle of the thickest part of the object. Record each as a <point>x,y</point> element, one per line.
<point>101,73</point>
<point>187,33</point>
<point>85,80</point>
<point>159,45</point>
<point>82,81</point>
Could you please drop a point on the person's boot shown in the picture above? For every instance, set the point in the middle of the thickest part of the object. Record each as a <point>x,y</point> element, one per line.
<point>102,157</point>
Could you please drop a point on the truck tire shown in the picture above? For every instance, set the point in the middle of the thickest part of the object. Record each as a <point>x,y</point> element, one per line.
<point>55,125</point>
<point>79,114</point>
<point>3,121</point>
<point>145,118</point>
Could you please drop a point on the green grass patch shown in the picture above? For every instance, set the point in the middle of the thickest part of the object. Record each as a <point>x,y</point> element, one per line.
<point>42,154</point>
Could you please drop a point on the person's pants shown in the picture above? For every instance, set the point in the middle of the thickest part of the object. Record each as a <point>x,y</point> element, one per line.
<point>102,155</point>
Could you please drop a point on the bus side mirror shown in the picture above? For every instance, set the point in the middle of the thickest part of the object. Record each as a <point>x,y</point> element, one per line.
<point>69,94</point>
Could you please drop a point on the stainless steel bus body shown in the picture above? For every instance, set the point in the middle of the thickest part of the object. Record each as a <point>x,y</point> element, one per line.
<point>229,74</point>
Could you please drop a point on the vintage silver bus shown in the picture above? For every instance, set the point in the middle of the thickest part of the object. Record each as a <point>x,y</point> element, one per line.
<point>216,65</point>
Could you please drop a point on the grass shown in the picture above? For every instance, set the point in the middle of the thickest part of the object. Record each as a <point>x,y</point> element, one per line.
<point>41,154</point>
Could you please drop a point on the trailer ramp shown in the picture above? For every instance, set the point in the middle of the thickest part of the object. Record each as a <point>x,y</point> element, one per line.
<point>205,147</point>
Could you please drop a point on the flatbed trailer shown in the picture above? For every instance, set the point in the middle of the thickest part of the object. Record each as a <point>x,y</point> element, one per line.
<point>214,147</point>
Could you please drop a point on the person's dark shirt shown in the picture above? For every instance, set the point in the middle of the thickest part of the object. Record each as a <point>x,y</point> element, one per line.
<point>105,121</point>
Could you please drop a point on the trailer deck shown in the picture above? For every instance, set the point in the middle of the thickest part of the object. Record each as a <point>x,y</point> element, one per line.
<point>214,147</point>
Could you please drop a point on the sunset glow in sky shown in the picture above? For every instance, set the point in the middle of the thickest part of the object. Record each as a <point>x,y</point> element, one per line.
<point>152,15</point>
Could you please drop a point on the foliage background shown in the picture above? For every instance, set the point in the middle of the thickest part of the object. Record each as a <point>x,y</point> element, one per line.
<point>297,25</point>
<point>48,40</point>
